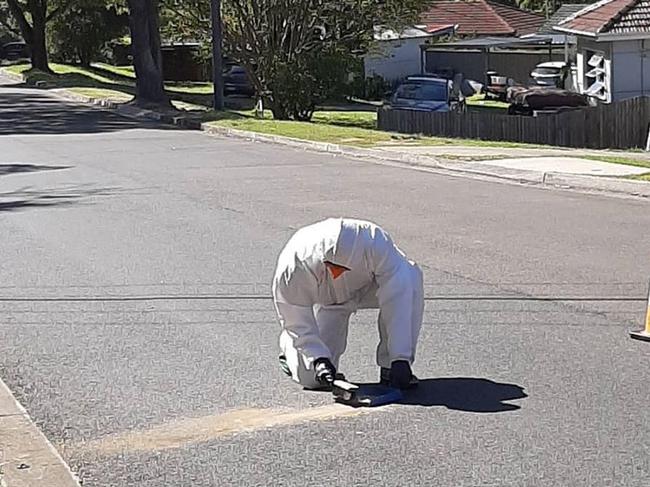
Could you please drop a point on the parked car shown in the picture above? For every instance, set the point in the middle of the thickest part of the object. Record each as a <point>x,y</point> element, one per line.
<point>13,51</point>
<point>551,73</point>
<point>237,82</point>
<point>427,93</point>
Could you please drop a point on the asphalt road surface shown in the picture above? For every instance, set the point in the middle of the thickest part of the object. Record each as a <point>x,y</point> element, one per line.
<point>136,325</point>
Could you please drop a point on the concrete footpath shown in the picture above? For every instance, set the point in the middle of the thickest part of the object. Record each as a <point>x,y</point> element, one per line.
<point>27,458</point>
<point>559,160</point>
<point>578,173</point>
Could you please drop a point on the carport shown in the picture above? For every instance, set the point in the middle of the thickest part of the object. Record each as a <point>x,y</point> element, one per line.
<point>513,57</point>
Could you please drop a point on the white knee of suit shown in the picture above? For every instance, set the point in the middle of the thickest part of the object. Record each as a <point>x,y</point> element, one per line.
<point>301,370</point>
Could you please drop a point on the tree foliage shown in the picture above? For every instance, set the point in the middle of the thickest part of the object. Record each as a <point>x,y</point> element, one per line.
<point>543,6</point>
<point>9,30</point>
<point>31,17</point>
<point>66,28</point>
<point>296,52</point>
<point>81,32</point>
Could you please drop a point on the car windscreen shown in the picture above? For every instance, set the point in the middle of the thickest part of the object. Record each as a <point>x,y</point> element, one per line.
<point>547,71</point>
<point>422,91</point>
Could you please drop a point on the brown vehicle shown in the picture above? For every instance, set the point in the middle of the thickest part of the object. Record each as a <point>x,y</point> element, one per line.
<point>524,100</point>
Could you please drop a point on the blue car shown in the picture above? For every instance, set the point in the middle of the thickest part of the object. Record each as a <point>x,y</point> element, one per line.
<point>427,94</point>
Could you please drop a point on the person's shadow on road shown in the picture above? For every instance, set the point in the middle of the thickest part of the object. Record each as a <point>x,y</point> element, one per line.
<point>465,394</point>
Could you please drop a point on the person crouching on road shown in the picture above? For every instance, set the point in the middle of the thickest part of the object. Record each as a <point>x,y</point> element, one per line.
<point>327,271</point>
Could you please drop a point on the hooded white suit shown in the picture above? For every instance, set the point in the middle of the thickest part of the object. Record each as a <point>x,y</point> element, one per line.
<point>314,308</point>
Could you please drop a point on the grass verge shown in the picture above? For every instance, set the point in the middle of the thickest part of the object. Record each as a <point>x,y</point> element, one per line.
<point>316,131</point>
<point>102,93</point>
<point>629,161</point>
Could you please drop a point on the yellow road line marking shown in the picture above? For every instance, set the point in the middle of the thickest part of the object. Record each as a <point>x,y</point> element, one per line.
<point>189,431</point>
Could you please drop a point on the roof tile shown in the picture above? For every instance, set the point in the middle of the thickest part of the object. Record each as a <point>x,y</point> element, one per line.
<point>610,16</point>
<point>566,10</point>
<point>636,19</point>
<point>482,17</point>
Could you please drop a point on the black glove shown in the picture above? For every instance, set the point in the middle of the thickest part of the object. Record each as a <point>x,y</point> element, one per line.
<point>400,374</point>
<point>325,371</point>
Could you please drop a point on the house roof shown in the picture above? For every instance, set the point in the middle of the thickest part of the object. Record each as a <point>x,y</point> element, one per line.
<point>635,19</point>
<point>382,33</point>
<point>440,29</point>
<point>565,11</point>
<point>491,42</point>
<point>610,17</point>
<point>482,17</point>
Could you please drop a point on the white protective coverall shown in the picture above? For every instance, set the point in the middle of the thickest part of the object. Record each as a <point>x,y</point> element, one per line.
<point>314,308</point>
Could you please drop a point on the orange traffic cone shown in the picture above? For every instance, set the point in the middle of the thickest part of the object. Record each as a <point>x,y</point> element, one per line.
<point>644,334</point>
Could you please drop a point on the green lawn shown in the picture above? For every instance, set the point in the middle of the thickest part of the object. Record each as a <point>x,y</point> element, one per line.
<point>479,103</point>
<point>66,75</point>
<point>316,131</point>
<point>630,161</point>
<point>124,71</point>
<point>102,93</point>
<point>112,78</point>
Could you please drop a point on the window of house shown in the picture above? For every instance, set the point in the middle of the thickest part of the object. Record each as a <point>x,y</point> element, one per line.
<point>596,83</point>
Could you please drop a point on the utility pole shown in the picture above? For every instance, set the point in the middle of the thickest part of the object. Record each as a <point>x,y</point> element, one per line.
<point>217,70</point>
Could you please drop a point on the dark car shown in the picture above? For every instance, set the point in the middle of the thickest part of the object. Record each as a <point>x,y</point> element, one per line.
<point>237,82</point>
<point>426,93</point>
<point>13,51</point>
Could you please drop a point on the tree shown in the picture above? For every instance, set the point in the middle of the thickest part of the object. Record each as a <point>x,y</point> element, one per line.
<point>40,13</point>
<point>9,31</point>
<point>296,52</point>
<point>546,7</point>
<point>80,33</point>
<point>31,20</point>
<point>147,56</point>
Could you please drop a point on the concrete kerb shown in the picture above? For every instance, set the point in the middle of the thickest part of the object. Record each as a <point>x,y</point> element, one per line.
<point>551,179</point>
<point>523,176</point>
<point>131,111</point>
<point>27,458</point>
<point>14,77</point>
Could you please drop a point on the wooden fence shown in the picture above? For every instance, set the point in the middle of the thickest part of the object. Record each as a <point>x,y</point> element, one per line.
<point>620,125</point>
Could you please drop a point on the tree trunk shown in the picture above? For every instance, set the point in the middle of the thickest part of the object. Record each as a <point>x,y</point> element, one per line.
<point>147,57</point>
<point>84,58</point>
<point>33,34</point>
<point>278,108</point>
<point>37,45</point>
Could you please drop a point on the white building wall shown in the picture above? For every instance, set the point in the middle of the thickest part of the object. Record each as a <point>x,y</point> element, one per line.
<point>394,59</point>
<point>630,69</point>
<point>580,75</point>
<point>587,48</point>
<point>608,75</point>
